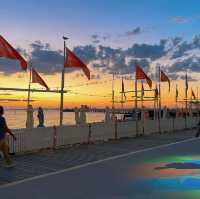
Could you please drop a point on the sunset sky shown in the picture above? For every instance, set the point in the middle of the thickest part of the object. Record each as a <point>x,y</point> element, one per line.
<point>109,36</point>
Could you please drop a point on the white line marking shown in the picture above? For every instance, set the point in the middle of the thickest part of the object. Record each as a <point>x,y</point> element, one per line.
<point>95,162</point>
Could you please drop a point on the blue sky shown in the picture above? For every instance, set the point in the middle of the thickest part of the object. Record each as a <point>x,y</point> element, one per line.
<point>47,20</point>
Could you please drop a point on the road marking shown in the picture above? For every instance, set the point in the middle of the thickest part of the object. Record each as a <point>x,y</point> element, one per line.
<point>95,162</point>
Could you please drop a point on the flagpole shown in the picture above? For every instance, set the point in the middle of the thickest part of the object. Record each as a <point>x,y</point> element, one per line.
<point>113,96</point>
<point>186,98</point>
<point>159,116</point>
<point>136,107</point>
<point>28,98</point>
<point>154,108</point>
<point>176,97</point>
<point>142,106</point>
<point>197,107</point>
<point>122,98</point>
<point>29,86</point>
<point>62,84</point>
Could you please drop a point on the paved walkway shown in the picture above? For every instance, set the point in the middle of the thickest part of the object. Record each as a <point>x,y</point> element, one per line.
<point>120,177</point>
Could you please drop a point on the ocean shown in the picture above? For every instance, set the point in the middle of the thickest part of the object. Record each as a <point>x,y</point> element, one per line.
<point>16,119</point>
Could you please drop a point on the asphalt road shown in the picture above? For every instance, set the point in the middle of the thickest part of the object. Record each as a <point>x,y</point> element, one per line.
<point>166,171</point>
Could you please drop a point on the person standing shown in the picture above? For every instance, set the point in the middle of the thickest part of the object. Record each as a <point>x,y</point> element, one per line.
<point>40,116</point>
<point>3,144</point>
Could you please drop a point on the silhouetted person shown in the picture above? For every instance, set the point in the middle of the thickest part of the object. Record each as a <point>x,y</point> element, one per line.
<point>40,116</point>
<point>3,144</point>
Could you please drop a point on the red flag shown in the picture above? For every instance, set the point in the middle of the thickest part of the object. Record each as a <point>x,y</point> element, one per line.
<point>37,79</point>
<point>73,61</point>
<point>7,51</point>
<point>164,78</point>
<point>193,95</point>
<point>140,74</point>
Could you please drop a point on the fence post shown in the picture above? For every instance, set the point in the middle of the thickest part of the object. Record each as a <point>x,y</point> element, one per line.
<point>115,124</point>
<point>11,144</point>
<point>173,127</point>
<point>54,137</point>
<point>89,133</point>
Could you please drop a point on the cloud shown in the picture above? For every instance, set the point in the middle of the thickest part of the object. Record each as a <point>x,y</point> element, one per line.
<point>86,53</point>
<point>181,49</point>
<point>175,55</point>
<point>147,51</point>
<point>191,64</point>
<point>105,58</point>
<point>42,57</point>
<point>96,39</point>
<point>181,20</point>
<point>46,59</point>
<point>189,77</point>
<point>106,37</point>
<point>133,32</point>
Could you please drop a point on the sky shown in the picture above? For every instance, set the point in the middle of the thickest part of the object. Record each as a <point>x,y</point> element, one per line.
<point>37,27</point>
<point>48,20</point>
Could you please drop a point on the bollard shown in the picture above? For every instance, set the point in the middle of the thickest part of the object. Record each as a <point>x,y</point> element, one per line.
<point>54,137</point>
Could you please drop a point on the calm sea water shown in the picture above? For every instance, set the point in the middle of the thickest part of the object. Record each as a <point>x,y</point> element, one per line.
<point>17,118</point>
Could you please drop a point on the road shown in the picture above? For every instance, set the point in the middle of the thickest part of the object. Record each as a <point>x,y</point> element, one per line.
<point>164,171</point>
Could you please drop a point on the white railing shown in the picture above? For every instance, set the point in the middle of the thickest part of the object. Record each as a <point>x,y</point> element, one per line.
<point>51,137</point>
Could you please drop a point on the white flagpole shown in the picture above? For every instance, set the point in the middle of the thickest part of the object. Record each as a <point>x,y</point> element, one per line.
<point>62,84</point>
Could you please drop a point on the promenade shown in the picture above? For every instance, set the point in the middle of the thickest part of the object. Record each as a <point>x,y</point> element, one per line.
<point>102,170</point>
